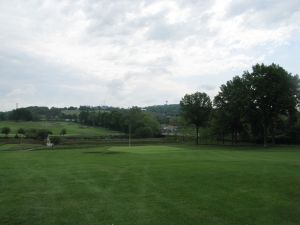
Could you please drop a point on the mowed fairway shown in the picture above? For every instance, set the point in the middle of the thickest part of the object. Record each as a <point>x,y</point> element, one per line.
<point>149,185</point>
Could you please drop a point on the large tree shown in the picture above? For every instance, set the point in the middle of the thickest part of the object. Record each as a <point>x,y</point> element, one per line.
<point>230,106</point>
<point>196,109</point>
<point>273,92</point>
<point>140,123</point>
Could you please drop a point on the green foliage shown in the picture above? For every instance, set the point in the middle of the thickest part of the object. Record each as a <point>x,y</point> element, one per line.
<point>142,122</point>
<point>55,140</point>
<point>21,131</point>
<point>167,110</point>
<point>3,116</point>
<point>21,114</point>
<point>34,113</point>
<point>272,92</point>
<point>259,103</point>
<point>72,128</point>
<point>30,133</point>
<point>231,107</point>
<point>122,119</point>
<point>165,113</point>
<point>196,109</point>
<point>40,134</point>
<point>143,132</point>
<point>5,130</point>
<point>63,131</point>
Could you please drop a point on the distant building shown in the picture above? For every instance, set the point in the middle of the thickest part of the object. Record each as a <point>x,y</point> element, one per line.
<point>168,129</point>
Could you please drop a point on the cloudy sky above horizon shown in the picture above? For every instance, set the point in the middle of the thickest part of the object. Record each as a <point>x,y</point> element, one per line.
<point>134,52</point>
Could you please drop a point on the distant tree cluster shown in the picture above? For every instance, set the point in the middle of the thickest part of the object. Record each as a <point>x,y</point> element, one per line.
<point>142,124</point>
<point>40,134</point>
<point>5,130</point>
<point>164,113</point>
<point>33,113</point>
<point>21,114</point>
<point>37,113</point>
<point>260,105</point>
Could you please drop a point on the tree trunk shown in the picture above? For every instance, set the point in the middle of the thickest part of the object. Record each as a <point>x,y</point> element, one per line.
<point>223,141</point>
<point>272,133</point>
<point>265,135</point>
<point>235,137</point>
<point>129,135</point>
<point>197,135</point>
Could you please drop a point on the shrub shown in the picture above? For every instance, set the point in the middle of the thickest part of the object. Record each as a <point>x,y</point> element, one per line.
<point>42,134</point>
<point>143,132</point>
<point>5,130</point>
<point>55,140</point>
<point>37,133</point>
<point>30,133</point>
<point>63,131</point>
<point>21,131</point>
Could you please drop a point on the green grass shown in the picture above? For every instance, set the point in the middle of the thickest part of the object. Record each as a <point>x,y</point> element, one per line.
<point>71,127</point>
<point>15,147</point>
<point>148,185</point>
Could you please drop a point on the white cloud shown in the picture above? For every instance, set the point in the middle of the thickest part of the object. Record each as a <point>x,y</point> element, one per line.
<point>18,93</point>
<point>137,52</point>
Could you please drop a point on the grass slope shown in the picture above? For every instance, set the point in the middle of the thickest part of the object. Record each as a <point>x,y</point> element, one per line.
<point>150,185</point>
<point>71,127</point>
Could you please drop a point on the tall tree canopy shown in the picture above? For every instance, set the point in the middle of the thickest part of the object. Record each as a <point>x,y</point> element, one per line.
<point>272,92</point>
<point>264,99</point>
<point>230,106</point>
<point>196,109</point>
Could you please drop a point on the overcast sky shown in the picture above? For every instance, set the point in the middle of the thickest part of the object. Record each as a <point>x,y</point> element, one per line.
<point>134,52</point>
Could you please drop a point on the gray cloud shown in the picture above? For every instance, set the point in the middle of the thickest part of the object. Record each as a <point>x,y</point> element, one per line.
<point>266,13</point>
<point>131,52</point>
<point>29,80</point>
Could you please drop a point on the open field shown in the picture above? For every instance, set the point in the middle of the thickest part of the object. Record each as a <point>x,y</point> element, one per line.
<point>71,127</point>
<point>151,185</point>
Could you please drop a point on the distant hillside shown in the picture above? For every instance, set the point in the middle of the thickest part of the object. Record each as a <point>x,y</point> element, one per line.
<point>164,113</point>
<point>72,129</point>
<point>164,110</point>
<point>36,113</point>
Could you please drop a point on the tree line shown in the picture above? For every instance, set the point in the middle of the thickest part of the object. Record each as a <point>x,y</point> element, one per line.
<point>260,105</point>
<point>139,123</point>
<point>32,133</point>
<point>135,121</point>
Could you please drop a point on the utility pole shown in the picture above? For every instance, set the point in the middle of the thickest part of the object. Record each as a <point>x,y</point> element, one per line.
<point>129,134</point>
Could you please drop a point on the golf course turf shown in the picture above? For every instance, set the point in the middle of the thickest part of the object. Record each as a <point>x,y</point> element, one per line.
<point>151,185</point>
